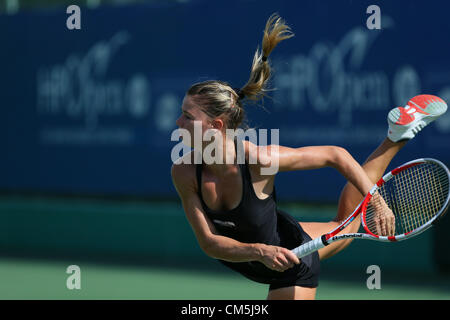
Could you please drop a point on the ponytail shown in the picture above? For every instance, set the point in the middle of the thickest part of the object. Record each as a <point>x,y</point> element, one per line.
<point>276,31</point>
<point>219,99</point>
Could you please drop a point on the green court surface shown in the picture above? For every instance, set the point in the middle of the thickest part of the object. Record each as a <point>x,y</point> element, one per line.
<point>147,250</point>
<point>35,279</point>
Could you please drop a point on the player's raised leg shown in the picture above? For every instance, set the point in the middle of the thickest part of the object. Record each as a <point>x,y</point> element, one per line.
<point>404,124</point>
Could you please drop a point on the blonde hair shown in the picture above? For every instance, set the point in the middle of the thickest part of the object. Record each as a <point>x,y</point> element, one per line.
<point>219,99</point>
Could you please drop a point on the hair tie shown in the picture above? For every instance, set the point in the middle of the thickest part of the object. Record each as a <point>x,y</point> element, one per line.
<point>264,58</point>
<point>240,94</point>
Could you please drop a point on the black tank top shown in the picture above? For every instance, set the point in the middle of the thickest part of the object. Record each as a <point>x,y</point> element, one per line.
<point>254,221</point>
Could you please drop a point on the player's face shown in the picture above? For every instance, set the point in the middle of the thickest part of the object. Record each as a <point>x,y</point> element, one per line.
<point>191,114</point>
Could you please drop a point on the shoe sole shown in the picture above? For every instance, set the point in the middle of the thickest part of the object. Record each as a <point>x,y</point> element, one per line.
<point>435,109</point>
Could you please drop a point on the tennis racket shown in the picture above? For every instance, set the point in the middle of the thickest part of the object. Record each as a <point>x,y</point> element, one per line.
<point>418,195</point>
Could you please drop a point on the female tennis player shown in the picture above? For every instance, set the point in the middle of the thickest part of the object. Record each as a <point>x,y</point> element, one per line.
<point>231,206</point>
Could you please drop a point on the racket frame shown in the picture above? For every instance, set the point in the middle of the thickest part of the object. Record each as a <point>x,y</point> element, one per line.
<point>333,235</point>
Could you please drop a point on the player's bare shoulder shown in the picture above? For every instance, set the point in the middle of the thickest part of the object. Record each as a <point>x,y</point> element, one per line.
<point>183,173</point>
<point>259,157</point>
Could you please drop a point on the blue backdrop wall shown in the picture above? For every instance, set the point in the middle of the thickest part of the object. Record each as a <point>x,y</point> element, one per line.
<point>91,111</point>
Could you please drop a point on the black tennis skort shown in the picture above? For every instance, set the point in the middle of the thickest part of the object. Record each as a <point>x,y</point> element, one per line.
<point>305,274</point>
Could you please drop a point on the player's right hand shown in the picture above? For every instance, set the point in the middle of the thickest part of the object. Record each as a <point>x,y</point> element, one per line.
<point>278,258</point>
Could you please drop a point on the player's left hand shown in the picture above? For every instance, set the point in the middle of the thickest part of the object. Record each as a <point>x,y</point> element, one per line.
<point>384,217</point>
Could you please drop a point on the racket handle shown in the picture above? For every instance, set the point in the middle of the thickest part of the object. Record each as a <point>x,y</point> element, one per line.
<point>309,247</point>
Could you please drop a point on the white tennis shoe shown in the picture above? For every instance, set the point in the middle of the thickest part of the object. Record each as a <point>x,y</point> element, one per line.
<point>406,122</point>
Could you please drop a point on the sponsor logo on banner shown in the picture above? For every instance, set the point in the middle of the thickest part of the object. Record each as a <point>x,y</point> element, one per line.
<point>78,102</point>
<point>331,81</point>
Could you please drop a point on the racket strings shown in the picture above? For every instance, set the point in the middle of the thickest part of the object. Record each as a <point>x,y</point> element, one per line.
<point>419,196</point>
<point>415,196</point>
